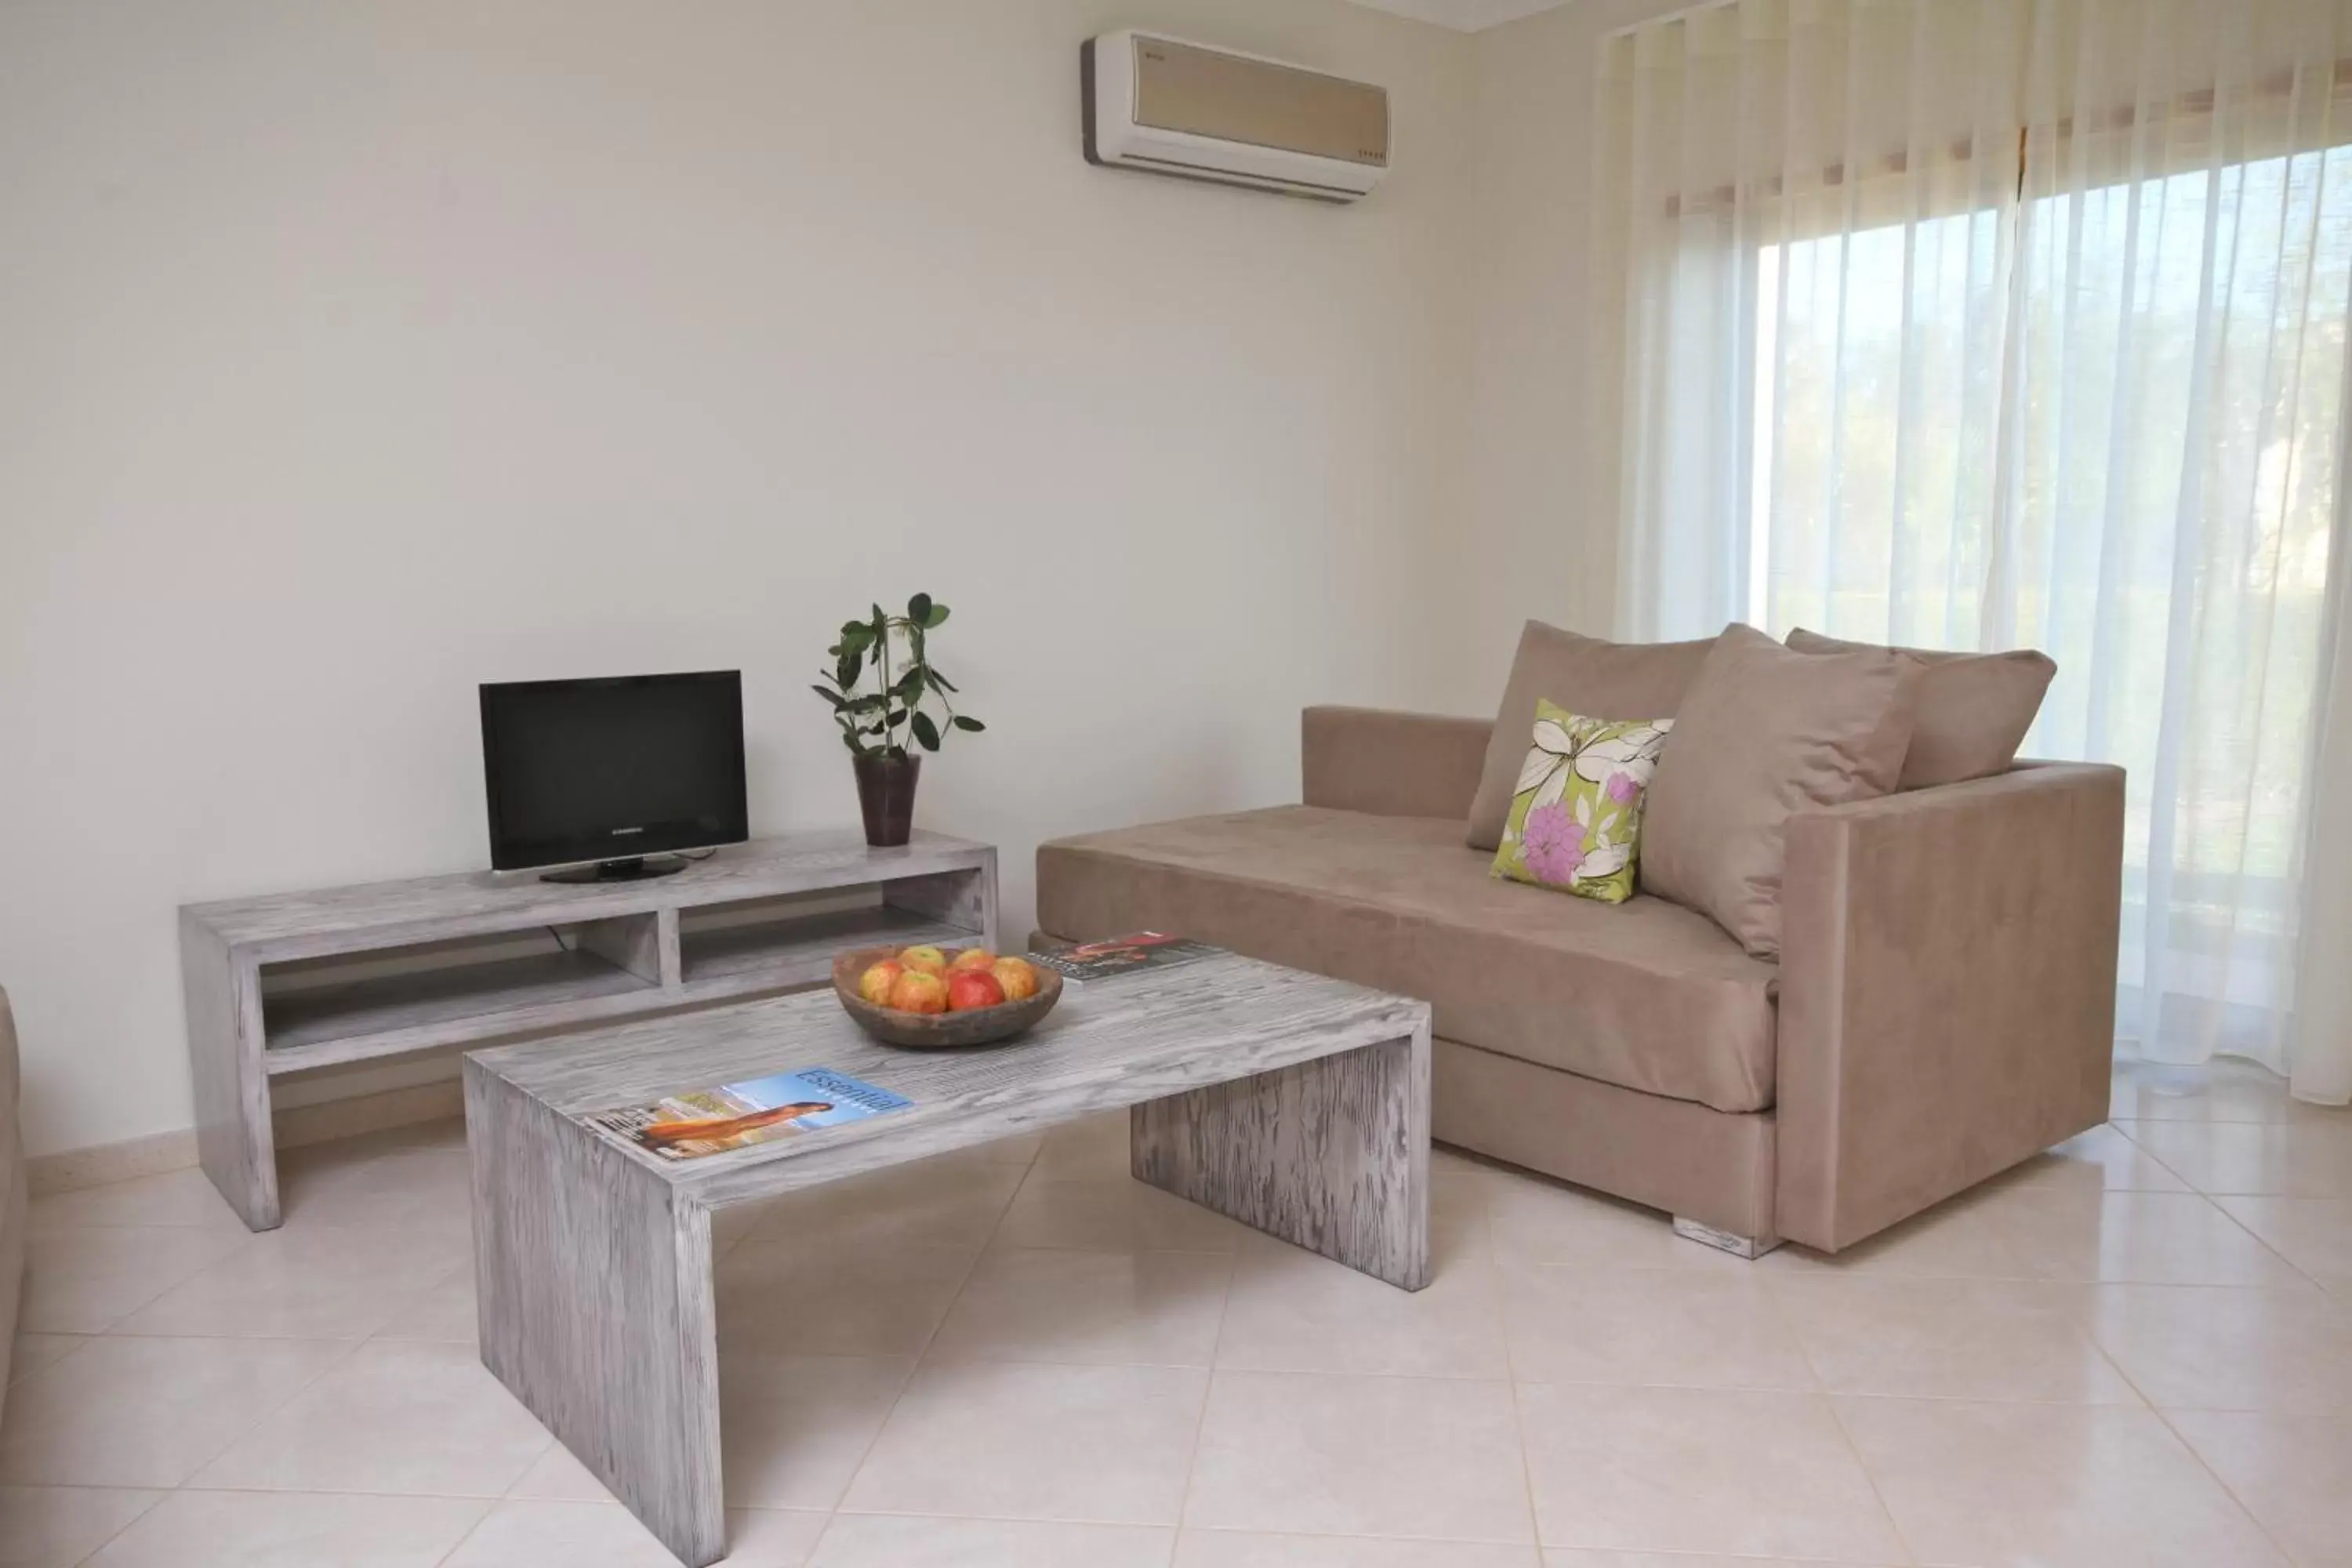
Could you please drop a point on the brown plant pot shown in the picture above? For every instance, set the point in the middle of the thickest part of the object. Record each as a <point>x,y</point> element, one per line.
<point>886,792</point>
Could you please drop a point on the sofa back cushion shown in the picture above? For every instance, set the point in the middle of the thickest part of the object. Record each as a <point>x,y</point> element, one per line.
<point>1584,675</point>
<point>1974,709</point>
<point>1763,732</point>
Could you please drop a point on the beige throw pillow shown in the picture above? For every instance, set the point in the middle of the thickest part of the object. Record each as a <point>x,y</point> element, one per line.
<point>1974,708</point>
<point>1763,732</point>
<point>1584,675</point>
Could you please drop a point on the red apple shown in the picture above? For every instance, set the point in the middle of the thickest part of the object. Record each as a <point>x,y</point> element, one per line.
<point>971,958</point>
<point>918,991</point>
<point>973,988</point>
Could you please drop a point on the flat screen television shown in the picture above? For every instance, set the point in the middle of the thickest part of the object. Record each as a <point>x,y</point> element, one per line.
<point>594,776</point>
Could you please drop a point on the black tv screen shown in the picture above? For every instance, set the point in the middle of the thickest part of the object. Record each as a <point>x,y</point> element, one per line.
<point>609,770</point>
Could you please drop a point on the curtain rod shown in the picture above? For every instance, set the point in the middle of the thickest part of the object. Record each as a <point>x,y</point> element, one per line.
<point>1683,14</point>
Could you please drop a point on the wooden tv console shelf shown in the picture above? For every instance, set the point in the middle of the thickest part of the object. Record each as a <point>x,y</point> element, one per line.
<point>292,980</point>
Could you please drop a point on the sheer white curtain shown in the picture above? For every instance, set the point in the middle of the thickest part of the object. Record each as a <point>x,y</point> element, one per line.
<point>1987,323</point>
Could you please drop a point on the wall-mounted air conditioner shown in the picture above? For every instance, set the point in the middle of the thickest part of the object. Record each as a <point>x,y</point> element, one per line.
<point>1170,108</point>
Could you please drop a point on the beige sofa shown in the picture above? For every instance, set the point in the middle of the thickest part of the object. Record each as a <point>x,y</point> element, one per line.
<point>17,1198</point>
<point>1943,1007</point>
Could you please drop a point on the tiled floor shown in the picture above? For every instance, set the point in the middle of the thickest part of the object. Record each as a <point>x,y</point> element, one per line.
<point>2136,1351</point>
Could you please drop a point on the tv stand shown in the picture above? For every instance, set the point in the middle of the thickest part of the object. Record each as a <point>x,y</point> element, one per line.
<point>293,981</point>
<point>636,868</point>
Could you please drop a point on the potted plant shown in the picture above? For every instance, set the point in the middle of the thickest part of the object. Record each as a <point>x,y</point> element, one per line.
<point>882,678</point>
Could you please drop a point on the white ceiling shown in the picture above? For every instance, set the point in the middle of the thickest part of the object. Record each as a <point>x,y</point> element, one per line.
<point>1466,16</point>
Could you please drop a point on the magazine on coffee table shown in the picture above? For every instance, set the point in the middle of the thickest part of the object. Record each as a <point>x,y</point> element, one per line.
<point>738,1115</point>
<point>1141,952</point>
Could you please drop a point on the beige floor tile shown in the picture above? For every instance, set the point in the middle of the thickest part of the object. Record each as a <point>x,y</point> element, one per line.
<point>1022,1440</point>
<point>33,1351</point>
<point>2293,1473</point>
<point>1963,1237</point>
<point>123,1412</point>
<point>2021,1486</point>
<point>292,1529</point>
<point>525,1534</point>
<point>793,1428</point>
<point>2315,1234</point>
<point>1055,1304</point>
<point>2189,1348</point>
<point>1093,1147</point>
<point>184,1198</point>
<point>932,1204</point>
<point>313,1283</point>
<point>1021,1149</point>
<point>85,1281</point>
<point>1290,1310</point>
<point>443,1312</point>
<point>400,1415</point>
<point>1245,1549</point>
<point>1112,1215</point>
<point>772,1538</point>
<point>2224,1091</point>
<point>1950,1339</point>
<point>556,1476</point>
<point>1696,1329</point>
<point>1740,1472</point>
<point>56,1527</point>
<point>400,1180</point>
<point>1533,1220</point>
<point>777,1296</point>
<point>1327,1454</point>
<point>731,1226</point>
<point>899,1541</point>
<point>2101,1160</point>
<point>2148,1238</point>
<point>2304,1160</point>
<point>1672,1559</point>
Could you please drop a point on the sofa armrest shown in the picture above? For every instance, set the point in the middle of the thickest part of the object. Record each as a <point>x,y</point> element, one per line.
<point>16,1197</point>
<point>1391,764</point>
<point>1948,988</point>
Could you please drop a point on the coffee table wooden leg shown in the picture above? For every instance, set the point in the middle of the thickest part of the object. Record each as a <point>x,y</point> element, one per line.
<point>596,1309</point>
<point>1331,1155</point>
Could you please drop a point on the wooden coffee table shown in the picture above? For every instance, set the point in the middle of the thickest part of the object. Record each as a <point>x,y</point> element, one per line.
<point>1293,1103</point>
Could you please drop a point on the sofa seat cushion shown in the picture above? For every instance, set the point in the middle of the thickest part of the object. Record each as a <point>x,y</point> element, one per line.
<point>1646,995</point>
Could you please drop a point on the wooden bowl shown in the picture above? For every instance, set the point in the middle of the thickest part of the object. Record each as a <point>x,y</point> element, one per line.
<point>938,1031</point>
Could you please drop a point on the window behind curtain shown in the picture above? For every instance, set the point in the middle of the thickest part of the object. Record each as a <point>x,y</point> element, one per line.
<point>2140,478</point>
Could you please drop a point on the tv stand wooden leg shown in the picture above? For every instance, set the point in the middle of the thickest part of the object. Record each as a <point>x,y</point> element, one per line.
<point>234,1140</point>
<point>1331,1155</point>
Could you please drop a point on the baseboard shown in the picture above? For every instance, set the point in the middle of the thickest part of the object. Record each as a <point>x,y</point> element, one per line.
<point>331,1118</point>
<point>101,1163</point>
<point>69,1169</point>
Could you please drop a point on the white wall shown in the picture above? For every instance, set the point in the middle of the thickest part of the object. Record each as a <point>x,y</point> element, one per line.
<point>352,354</point>
<point>1539,525</point>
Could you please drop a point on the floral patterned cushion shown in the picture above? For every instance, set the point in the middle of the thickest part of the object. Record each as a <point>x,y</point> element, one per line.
<point>1576,817</point>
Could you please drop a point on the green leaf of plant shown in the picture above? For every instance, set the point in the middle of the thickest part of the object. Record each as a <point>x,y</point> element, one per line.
<point>939,613</point>
<point>926,732</point>
<point>938,682</point>
<point>833,697</point>
<point>965,722</point>
<point>918,609</point>
<point>909,686</point>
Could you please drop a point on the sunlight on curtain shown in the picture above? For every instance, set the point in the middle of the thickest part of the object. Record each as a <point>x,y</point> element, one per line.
<point>1988,324</point>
